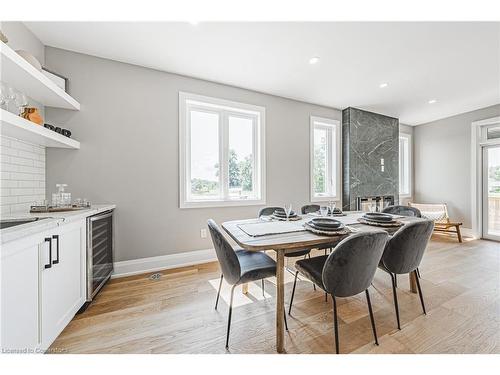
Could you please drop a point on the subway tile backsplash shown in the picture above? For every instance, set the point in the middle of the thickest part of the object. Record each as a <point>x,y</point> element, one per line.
<point>22,177</point>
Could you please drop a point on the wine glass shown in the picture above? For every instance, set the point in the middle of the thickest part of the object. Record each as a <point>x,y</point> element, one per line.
<point>323,211</point>
<point>331,206</point>
<point>288,209</point>
<point>3,95</point>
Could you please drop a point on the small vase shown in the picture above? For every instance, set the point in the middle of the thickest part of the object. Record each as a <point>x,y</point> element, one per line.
<point>32,114</point>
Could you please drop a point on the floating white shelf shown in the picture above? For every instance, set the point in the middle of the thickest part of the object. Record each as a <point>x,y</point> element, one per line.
<point>24,130</point>
<point>18,73</point>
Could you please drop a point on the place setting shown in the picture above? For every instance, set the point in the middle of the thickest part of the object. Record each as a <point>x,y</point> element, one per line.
<point>326,226</point>
<point>285,214</point>
<point>330,210</point>
<point>379,219</point>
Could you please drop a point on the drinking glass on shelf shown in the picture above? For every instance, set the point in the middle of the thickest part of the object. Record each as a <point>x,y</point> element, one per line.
<point>11,96</point>
<point>21,101</point>
<point>288,209</point>
<point>3,96</point>
<point>323,211</point>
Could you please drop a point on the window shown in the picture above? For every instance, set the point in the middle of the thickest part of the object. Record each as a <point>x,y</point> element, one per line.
<point>325,159</point>
<point>404,165</point>
<point>221,152</point>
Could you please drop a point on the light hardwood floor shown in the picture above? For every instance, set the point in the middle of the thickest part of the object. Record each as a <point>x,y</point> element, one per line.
<point>175,314</point>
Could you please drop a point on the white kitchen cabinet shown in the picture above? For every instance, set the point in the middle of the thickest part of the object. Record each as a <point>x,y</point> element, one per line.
<point>62,284</point>
<point>43,285</point>
<point>20,318</point>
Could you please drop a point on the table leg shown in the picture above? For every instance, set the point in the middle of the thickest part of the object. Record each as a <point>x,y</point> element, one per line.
<point>413,282</point>
<point>244,288</point>
<point>280,301</point>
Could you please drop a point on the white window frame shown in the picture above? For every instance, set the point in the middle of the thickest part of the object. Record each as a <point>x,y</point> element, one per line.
<point>224,108</point>
<point>334,166</point>
<point>408,137</point>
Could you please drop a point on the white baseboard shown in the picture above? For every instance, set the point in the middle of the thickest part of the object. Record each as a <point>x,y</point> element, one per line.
<point>468,232</point>
<point>152,264</point>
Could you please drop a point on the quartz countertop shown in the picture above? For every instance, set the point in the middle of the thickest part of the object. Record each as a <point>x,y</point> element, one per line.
<point>50,220</point>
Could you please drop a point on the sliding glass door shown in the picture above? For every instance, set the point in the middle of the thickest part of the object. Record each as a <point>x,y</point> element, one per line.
<point>491,192</point>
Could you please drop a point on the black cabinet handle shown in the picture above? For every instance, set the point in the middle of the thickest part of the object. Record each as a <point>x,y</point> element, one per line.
<point>56,237</point>
<point>49,240</point>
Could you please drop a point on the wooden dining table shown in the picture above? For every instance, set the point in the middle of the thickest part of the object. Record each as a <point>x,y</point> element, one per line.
<point>283,243</point>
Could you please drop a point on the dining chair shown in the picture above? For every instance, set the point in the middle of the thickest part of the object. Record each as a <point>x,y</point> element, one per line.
<point>403,254</point>
<point>402,210</point>
<point>347,271</point>
<point>309,208</point>
<point>239,267</point>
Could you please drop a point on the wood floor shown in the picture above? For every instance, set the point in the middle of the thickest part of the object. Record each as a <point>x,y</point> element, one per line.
<point>175,314</point>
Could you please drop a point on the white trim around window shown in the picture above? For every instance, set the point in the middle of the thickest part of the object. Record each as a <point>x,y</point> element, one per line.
<point>332,159</point>
<point>222,112</point>
<point>405,165</point>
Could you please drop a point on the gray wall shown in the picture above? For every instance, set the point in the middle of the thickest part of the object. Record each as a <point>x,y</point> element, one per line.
<point>128,129</point>
<point>367,138</point>
<point>442,151</point>
<point>20,37</point>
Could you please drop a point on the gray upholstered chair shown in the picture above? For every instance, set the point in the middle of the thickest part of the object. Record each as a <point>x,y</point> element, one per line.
<point>347,271</point>
<point>239,267</point>
<point>309,208</point>
<point>403,211</point>
<point>403,254</point>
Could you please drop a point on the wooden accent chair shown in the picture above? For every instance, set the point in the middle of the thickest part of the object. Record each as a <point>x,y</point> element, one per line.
<point>439,213</point>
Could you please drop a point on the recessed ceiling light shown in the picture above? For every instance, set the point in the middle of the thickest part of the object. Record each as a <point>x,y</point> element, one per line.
<point>432,101</point>
<point>383,85</point>
<point>314,60</point>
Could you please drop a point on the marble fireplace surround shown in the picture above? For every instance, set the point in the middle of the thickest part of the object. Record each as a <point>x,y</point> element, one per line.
<point>370,153</point>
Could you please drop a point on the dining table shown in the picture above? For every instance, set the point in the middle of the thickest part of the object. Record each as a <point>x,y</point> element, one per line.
<point>252,235</point>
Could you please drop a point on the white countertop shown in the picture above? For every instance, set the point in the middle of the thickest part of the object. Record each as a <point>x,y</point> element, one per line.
<point>51,220</point>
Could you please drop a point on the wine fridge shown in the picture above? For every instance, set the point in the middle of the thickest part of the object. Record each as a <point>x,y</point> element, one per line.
<point>99,252</point>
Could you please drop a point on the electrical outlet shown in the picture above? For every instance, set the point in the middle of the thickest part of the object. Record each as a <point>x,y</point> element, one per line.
<point>203,233</point>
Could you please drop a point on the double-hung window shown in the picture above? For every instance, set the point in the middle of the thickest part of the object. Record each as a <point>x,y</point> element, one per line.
<point>222,156</point>
<point>325,159</point>
<point>404,165</point>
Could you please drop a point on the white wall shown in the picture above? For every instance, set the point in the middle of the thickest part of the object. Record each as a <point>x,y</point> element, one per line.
<point>128,129</point>
<point>22,177</point>
<point>442,151</point>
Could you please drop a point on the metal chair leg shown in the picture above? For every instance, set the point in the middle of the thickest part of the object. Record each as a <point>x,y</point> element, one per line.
<point>229,317</point>
<point>326,297</point>
<point>263,292</point>
<point>314,285</point>
<point>418,273</point>
<point>293,293</point>
<point>393,279</point>
<point>286,324</point>
<point>396,280</point>
<point>371,316</point>
<point>420,294</point>
<point>218,292</point>
<point>336,325</point>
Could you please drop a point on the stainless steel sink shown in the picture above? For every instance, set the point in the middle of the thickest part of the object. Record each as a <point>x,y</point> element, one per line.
<point>13,222</point>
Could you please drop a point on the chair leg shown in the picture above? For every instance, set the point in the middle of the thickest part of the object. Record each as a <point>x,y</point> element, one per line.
<point>396,280</point>
<point>418,273</point>
<point>393,279</point>
<point>218,292</point>
<point>314,285</point>
<point>420,294</point>
<point>326,297</point>
<point>286,324</point>
<point>229,317</point>
<point>371,316</point>
<point>336,325</point>
<point>293,293</point>
<point>459,235</point>
<point>263,292</point>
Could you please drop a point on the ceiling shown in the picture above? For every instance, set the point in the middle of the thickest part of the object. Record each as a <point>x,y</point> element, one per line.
<point>456,64</point>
